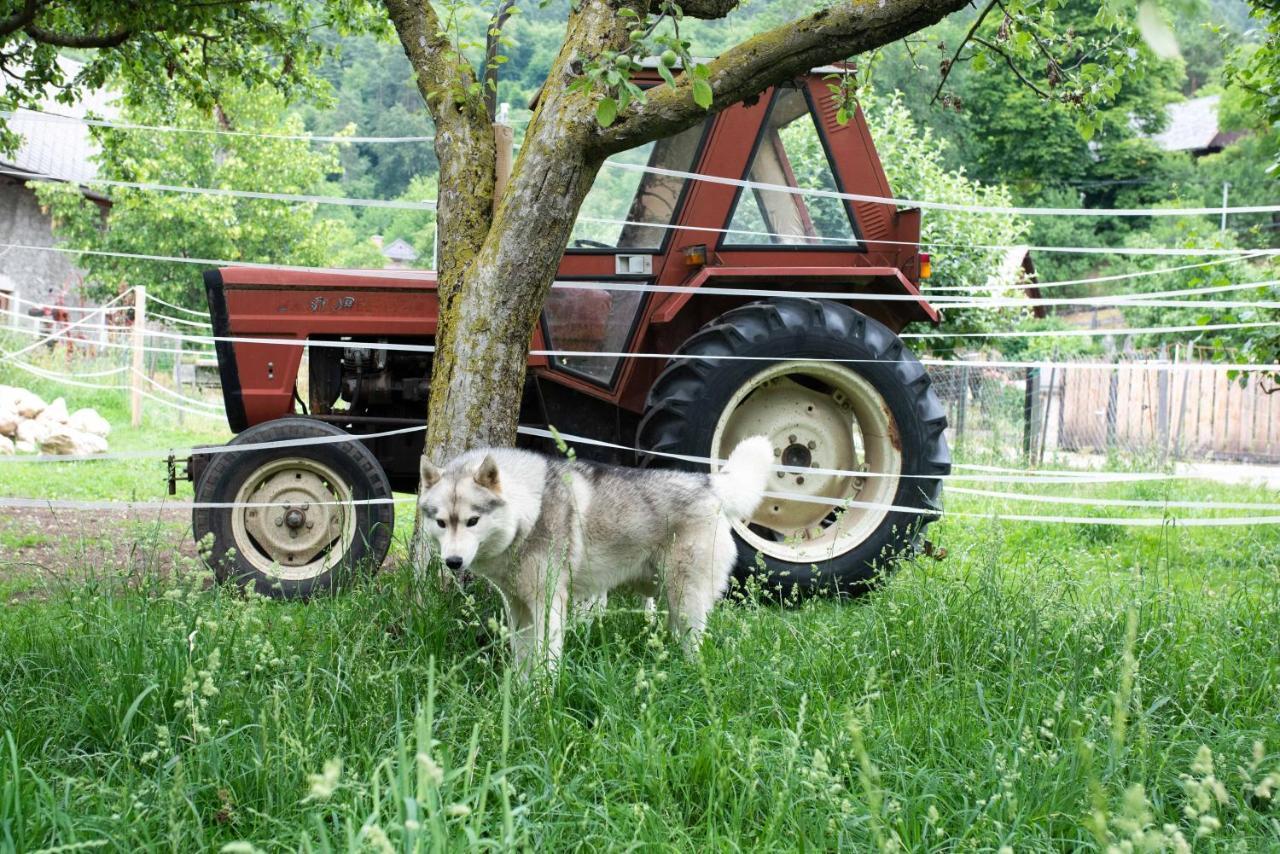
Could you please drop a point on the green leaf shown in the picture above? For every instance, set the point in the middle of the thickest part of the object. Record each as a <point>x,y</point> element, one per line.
<point>606,112</point>
<point>665,74</point>
<point>702,94</point>
<point>842,116</point>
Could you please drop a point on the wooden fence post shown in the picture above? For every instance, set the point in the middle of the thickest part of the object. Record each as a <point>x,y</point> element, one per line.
<point>1029,422</point>
<point>139,345</point>
<point>1162,404</point>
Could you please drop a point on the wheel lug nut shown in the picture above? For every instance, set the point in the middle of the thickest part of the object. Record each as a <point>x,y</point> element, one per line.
<point>279,521</point>
<point>791,439</point>
<point>777,452</point>
<point>799,479</point>
<point>310,525</point>
<point>812,444</point>
<point>782,474</point>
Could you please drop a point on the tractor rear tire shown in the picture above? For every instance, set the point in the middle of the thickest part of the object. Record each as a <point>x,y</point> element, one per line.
<point>309,531</point>
<point>833,390</point>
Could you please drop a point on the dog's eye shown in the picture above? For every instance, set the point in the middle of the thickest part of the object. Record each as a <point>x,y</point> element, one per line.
<point>441,523</point>
<point>473,521</point>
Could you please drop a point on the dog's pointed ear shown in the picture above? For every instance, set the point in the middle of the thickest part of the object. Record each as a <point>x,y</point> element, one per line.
<point>429,474</point>
<point>487,474</point>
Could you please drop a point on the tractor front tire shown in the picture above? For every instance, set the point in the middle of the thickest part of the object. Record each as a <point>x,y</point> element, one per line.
<point>299,519</point>
<point>833,390</point>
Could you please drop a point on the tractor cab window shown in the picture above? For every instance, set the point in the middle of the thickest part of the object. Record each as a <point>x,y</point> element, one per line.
<point>790,153</point>
<point>629,209</point>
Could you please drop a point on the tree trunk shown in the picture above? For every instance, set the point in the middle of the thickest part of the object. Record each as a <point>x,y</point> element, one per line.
<point>487,321</point>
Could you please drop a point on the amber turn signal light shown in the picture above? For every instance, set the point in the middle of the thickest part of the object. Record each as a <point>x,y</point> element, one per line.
<point>926,266</point>
<point>696,255</point>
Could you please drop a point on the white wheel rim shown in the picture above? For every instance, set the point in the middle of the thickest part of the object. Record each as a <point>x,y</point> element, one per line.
<point>817,415</point>
<point>308,527</point>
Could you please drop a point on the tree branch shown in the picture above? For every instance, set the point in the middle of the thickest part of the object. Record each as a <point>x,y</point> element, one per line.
<point>826,36</point>
<point>464,142</point>
<point>83,40</point>
<point>20,18</point>
<point>492,46</point>
<point>946,71</point>
<point>707,10</point>
<point>1013,66</point>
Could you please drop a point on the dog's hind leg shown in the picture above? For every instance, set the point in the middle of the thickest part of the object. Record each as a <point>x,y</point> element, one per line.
<point>698,567</point>
<point>592,608</point>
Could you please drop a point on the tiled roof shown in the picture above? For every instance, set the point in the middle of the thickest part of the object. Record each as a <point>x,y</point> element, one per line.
<point>1193,125</point>
<point>400,250</point>
<point>58,147</point>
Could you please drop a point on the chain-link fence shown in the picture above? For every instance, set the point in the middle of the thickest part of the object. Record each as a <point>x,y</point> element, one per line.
<point>1133,405</point>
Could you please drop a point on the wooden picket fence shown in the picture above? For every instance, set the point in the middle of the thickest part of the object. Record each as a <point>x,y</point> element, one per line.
<point>1202,413</point>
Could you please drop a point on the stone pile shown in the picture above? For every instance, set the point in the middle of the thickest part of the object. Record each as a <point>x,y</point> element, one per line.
<point>29,425</point>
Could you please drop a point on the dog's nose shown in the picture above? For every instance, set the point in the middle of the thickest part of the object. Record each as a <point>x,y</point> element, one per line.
<point>453,562</point>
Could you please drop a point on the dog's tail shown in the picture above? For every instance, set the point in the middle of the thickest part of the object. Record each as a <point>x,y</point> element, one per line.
<point>740,484</point>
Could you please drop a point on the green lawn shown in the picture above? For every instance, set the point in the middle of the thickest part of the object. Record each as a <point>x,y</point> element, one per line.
<point>1042,687</point>
<point>986,699</point>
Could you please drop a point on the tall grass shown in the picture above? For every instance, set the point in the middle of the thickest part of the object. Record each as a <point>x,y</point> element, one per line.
<point>1001,697</point>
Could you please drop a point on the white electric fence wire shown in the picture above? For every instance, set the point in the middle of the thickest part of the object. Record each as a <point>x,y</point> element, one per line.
<point>199,324</point>
<point>52,377</point>
<point>429,348</point>
<point>1158,299</point>
<point>214,408</point>
<point>303,198</point>
<point>992,516</point>
<point>205,314</point>
<point>163,401</point>
<point>944,206</point>
<point>1016,476</point>
<point>430,276</point>
<point>58,118</point>
<point>675,173</point>
<point>61,333</point>
<point>929,289</point>
<point>1111,502</point>
<point>431,206</point>
<point>843,503</point>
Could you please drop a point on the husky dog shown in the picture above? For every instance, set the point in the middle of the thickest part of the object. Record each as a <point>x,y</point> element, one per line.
<point>550,532</point>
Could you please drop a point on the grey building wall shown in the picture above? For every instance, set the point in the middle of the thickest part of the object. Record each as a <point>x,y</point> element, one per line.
<point>35,275</point>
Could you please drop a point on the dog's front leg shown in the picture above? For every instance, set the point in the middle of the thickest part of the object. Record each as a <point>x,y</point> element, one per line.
<point>549,614</point>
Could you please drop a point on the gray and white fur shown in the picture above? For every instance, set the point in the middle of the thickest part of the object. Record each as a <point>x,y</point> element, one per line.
<point>550,533</point>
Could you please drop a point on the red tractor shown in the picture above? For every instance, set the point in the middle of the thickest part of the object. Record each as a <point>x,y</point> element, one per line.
<point>828,380</point>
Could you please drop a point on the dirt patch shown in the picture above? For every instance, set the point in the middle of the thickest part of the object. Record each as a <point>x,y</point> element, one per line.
<point>49,545</point>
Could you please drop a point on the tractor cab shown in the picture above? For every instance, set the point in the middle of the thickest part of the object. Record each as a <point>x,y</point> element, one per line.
<point>748,198</point>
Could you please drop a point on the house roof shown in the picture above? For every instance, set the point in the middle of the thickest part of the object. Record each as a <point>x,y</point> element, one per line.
<point>53,142</point>
<point>399,250</point>
<point>1193,125</point>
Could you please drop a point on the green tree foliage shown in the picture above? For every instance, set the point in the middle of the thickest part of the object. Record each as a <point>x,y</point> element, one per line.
<point>200,226</point>
<point>914,161</point>
<point>1256,71</point>
<point>167,50</point>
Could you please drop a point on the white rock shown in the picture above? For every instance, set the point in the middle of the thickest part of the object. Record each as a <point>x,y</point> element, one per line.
<point>9,420</point>
<point>6,446</point>
<point>24,447</point>
<point>55,413</point>
<point>25,403</point>
<point>32,431</point>
<point>89,421</point>
<point>65,440</point>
